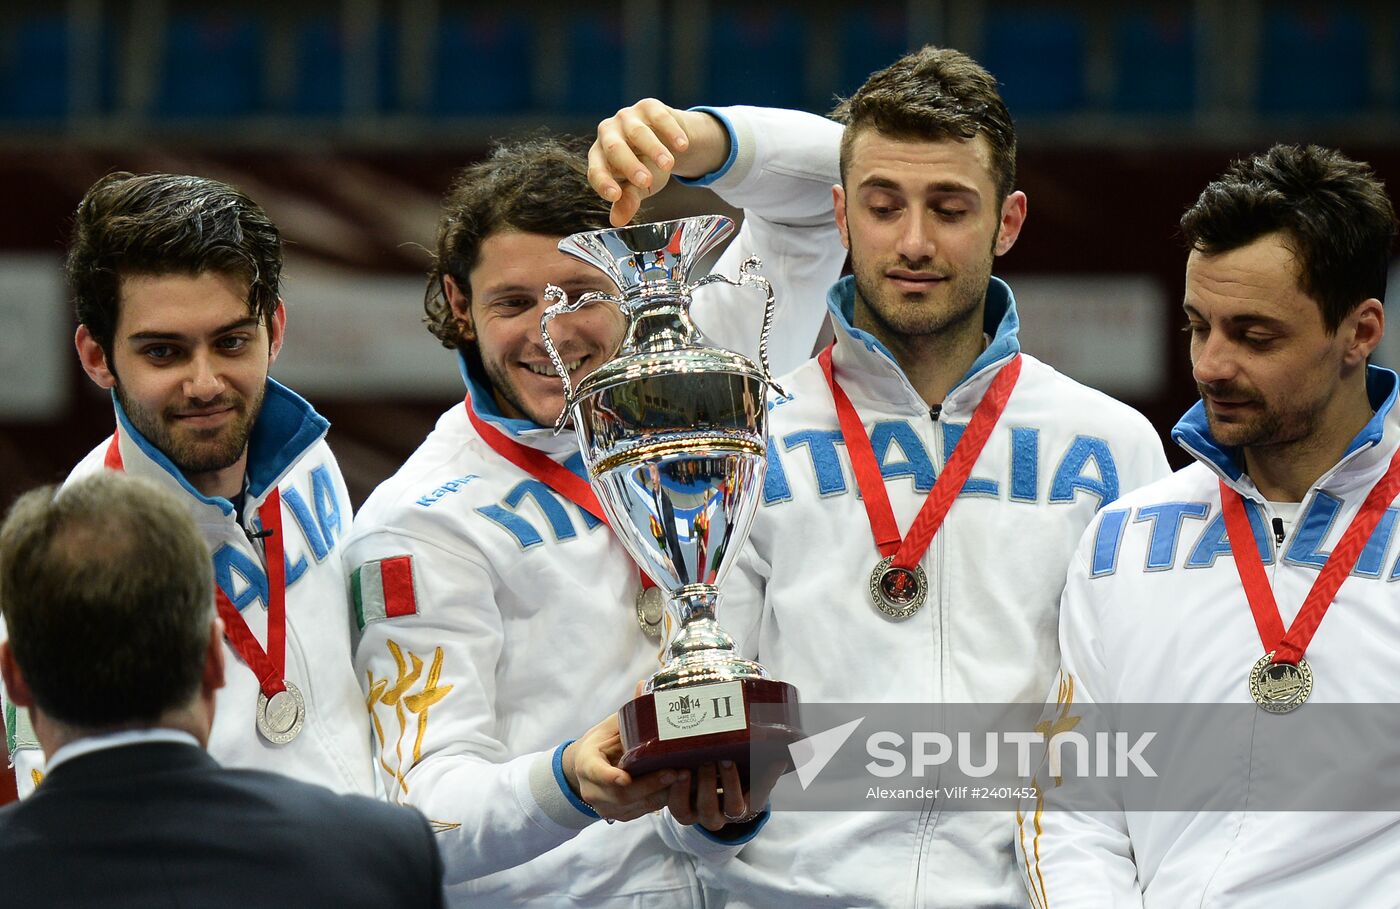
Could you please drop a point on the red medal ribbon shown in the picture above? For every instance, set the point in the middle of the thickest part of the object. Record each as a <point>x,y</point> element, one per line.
<point>1289,646</point>
<point>269,666</point>
<point>545,469</point>
<point>908,551</point>
<point>112,460</point>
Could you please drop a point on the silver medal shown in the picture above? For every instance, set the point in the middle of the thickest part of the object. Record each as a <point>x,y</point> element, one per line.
<point>651,610</point>
<point>280,717</point>
<point>1280,687</point>
<point>898,592</point>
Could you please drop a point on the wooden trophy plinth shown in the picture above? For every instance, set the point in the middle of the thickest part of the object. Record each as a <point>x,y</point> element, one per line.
<point>683,728</point>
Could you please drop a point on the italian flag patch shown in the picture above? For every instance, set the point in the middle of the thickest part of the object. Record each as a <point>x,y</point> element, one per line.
<point>383,589</point>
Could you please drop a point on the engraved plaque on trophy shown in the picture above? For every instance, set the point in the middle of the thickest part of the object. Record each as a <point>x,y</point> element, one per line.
<point>674,434</point>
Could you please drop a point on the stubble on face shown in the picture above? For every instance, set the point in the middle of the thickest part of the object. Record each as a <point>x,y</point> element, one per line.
<point>922,220</point>
<point>1270,395</point>
<point>502,317</point>
<point>918,315</point>
<point>195,450</point>
<point>1264,426</point>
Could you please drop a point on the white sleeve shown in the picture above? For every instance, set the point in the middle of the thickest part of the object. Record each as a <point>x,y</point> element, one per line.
<point>781,169</point>
<point>1072,857</point>
<point>427,660</point>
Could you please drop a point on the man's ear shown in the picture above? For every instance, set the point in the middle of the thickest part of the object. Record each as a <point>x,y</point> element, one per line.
<point>1013,216</point>
<point>212,679</point>
<point>16,687</point>
<point>838,201</point>
<point>461,304</point>
<point>1367,327</point>
<point>276,330</point>
<point>93,358</point>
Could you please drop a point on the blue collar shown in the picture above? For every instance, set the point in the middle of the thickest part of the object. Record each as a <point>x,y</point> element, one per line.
<point>1192,431</point>
<point>286,427</point>
<point>484,403</point>
<point>999,320</point>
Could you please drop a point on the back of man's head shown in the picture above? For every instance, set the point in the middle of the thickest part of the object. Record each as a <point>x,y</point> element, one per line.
<point>537,185</point>
<point>106,588</point>
<point>933,94</point>
<point>167,224</point>
<point>1334,212</point>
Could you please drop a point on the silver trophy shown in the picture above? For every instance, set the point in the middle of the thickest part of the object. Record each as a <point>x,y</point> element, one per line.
<point>674,434</point>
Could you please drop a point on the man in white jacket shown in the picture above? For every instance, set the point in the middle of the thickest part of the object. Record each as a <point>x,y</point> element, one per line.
<point>1229,583</point>
<point>176,282</point>
<point>499,615</point>
<point>847,612</point>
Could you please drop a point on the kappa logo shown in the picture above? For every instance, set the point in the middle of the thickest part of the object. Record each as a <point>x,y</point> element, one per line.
<point>451,486</point>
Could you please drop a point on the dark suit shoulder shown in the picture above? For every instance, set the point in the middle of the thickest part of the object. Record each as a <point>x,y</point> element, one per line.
<point>201,835</point>
<point>367,834</point>
<point>318,802</point>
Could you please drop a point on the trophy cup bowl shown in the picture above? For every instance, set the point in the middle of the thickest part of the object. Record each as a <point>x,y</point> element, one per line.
<point>674,435</point>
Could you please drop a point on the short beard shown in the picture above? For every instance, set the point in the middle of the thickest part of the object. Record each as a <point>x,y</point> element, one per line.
<point>1264,431</point>
<point>1270,427</point>
<point>217,451</point>
<point>966,296</point>
<point>920,323</point>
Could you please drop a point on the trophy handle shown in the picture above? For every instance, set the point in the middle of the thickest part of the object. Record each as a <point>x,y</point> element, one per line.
<point>748,275</point>
<point>559,304</point>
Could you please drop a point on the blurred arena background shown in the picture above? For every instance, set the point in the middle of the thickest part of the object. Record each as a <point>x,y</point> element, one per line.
<point>346,119</point>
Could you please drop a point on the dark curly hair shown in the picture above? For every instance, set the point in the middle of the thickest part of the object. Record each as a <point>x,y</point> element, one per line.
<point>535,185</point>
<point>1337,218</point>
<point>932,94</point>
<point>161,224</point>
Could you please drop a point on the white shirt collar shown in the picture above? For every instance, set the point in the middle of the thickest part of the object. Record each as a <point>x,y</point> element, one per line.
<point>90,743</point>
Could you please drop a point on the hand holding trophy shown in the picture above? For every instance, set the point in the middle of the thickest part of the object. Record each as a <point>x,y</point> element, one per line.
<point>674,435</point>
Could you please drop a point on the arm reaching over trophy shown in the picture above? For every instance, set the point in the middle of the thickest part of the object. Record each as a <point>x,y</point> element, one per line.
<point>779,167</point>
<point>640,146</point>
<point>500,612</point>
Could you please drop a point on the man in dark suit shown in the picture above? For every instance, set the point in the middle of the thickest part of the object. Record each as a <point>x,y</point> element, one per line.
<point>115,647</point>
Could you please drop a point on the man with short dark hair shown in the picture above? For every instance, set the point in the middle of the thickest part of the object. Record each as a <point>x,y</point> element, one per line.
<point>115,649</point>
<point>1262,574</point>
<point>176,283</point>
<point>501,617</point>
<point>924,405</point>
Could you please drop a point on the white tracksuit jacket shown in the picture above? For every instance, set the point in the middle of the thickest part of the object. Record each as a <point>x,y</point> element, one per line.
<point>519,632</point>
<point>798,598</point>
<point>287,450</point>
<point>1154,612</point>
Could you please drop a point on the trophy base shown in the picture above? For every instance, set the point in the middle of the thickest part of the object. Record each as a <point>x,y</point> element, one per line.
<point>683,728</point>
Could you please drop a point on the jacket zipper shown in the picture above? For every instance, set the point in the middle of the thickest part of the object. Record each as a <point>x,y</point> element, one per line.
<point>935,604</point>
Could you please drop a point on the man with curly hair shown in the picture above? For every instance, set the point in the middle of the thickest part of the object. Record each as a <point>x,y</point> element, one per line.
<point>500,616</point>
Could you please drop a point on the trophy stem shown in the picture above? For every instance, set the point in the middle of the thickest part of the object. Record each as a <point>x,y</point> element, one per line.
<point>661,328</point>
<point>701,650</point>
